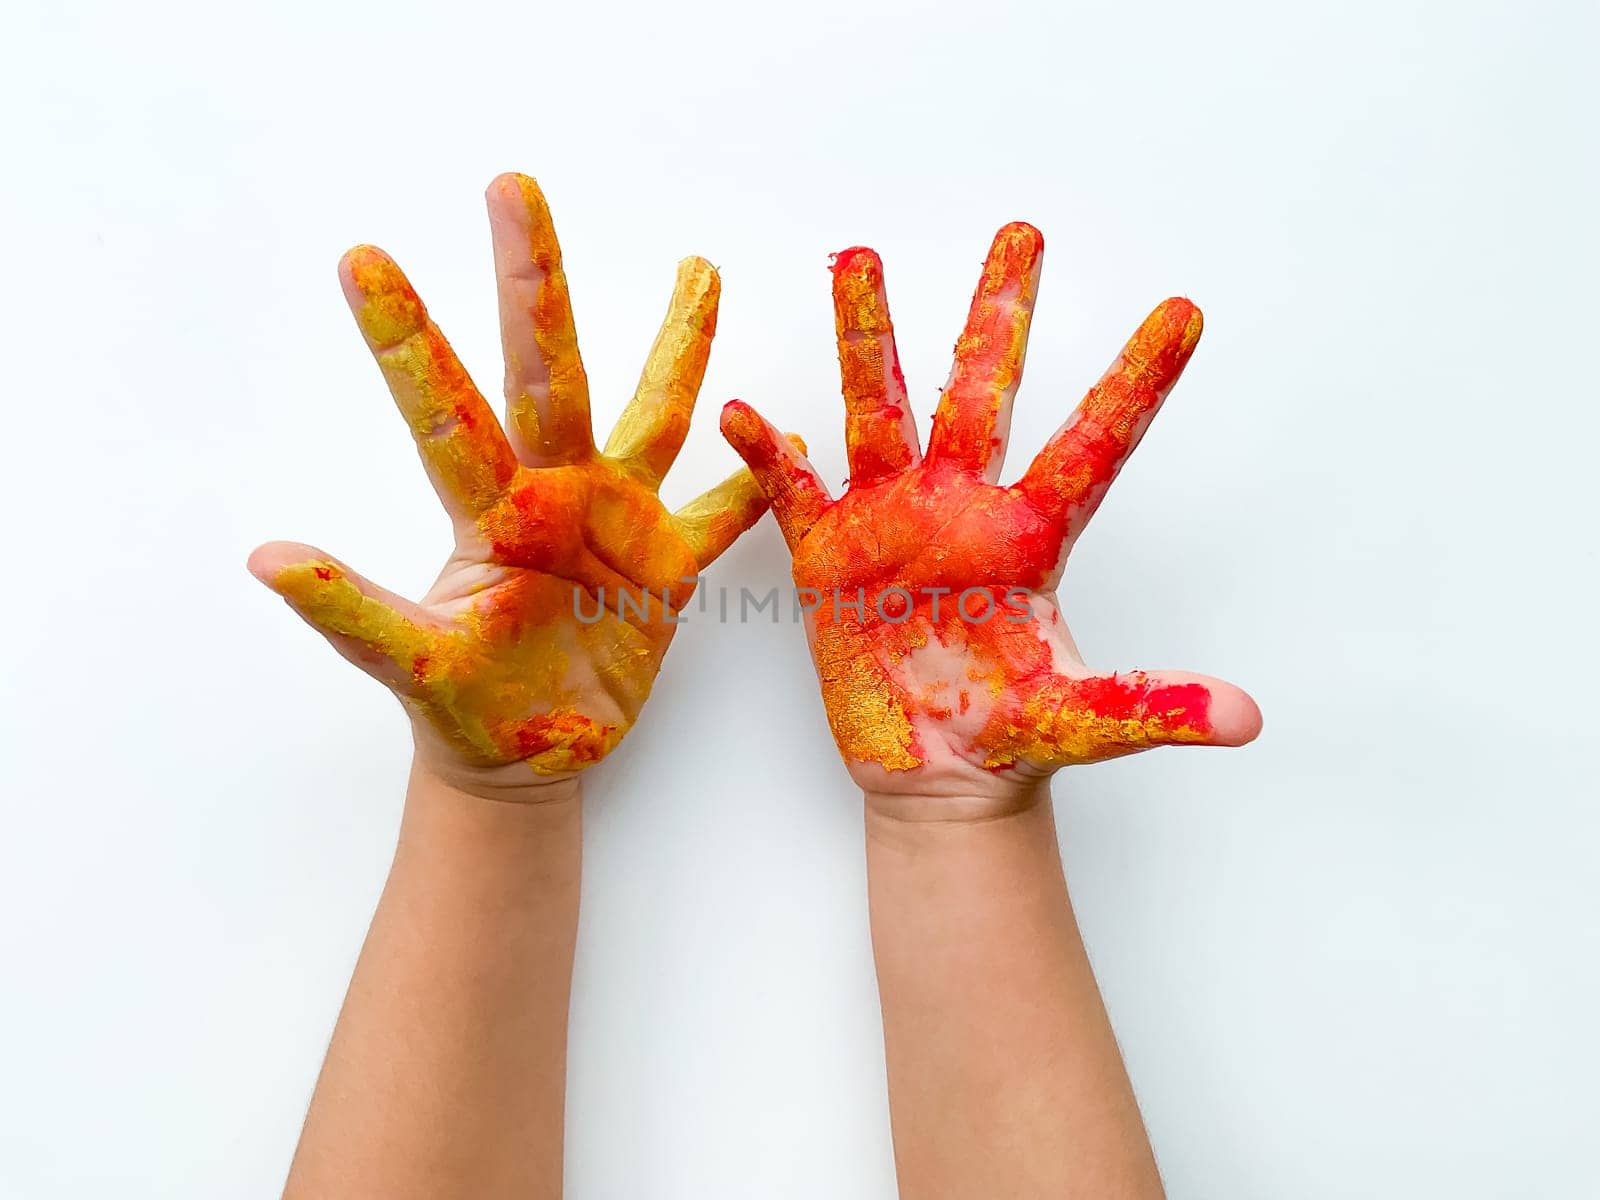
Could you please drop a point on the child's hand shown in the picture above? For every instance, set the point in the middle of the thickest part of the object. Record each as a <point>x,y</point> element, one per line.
<point>504,660</point>
<point>946,667</point>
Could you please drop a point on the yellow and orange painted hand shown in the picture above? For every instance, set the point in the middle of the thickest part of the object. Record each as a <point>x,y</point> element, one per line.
<point>494,662</point>
<point>946,667</point>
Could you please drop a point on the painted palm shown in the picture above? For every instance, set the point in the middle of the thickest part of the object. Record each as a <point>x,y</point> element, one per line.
<point>958,669</point>
<point>496,663</point>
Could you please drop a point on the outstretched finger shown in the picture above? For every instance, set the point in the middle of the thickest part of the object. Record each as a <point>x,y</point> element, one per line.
<point>385,635</point>
<point>789,482</point>
<point>462,446</point>
<point>547,392</point>
<point>973,419</point>
<point>880,429</point>
<point>714,519</point>
<point>1072,473</point>
<point>650,432</point>
<point>1072,721</point>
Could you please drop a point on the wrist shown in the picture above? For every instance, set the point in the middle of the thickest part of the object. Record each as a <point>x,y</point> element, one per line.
<point>437,767</point>
<point>953,805</point>
<point>444,819</point>
<point>970,845</point>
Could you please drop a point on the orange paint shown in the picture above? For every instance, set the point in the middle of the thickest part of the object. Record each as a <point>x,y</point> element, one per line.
<point>959,649</point>
<point>880,431</point>
<point>498,660</point>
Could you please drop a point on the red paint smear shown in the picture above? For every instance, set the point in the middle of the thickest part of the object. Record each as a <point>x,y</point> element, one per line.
<point>843,261</point>
<point>763,448</point>
<point>1131,698</point>
<point>1079,463</point>
<point>986,341</point>
<point>584,739</point>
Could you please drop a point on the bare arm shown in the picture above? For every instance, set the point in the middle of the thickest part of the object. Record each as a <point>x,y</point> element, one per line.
<point>527,661</point>
<point>1004,1075</point>
<point>447,1071</point>
<point>954,690</point>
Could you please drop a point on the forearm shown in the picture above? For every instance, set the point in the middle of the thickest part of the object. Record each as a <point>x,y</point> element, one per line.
<point>1004,1076</point>
<point>446,1075</point>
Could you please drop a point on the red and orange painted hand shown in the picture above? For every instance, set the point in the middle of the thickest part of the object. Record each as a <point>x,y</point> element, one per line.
<point>946,667</point>
<point>496,661</point>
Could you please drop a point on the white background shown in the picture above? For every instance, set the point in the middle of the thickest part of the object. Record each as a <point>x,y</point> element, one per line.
<point>1357,959</point>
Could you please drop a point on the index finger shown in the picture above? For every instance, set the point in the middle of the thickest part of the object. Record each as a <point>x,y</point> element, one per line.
<point>1072,473</point>
<point>462,446</point>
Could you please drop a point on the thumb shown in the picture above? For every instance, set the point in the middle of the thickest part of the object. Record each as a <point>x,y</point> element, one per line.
<point>385,635</point>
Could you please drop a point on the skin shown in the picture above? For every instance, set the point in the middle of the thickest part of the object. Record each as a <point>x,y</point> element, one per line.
<point>504,682</point>
<point>954,690</point>
<point>526,662</point>
<point>446,1074</point>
